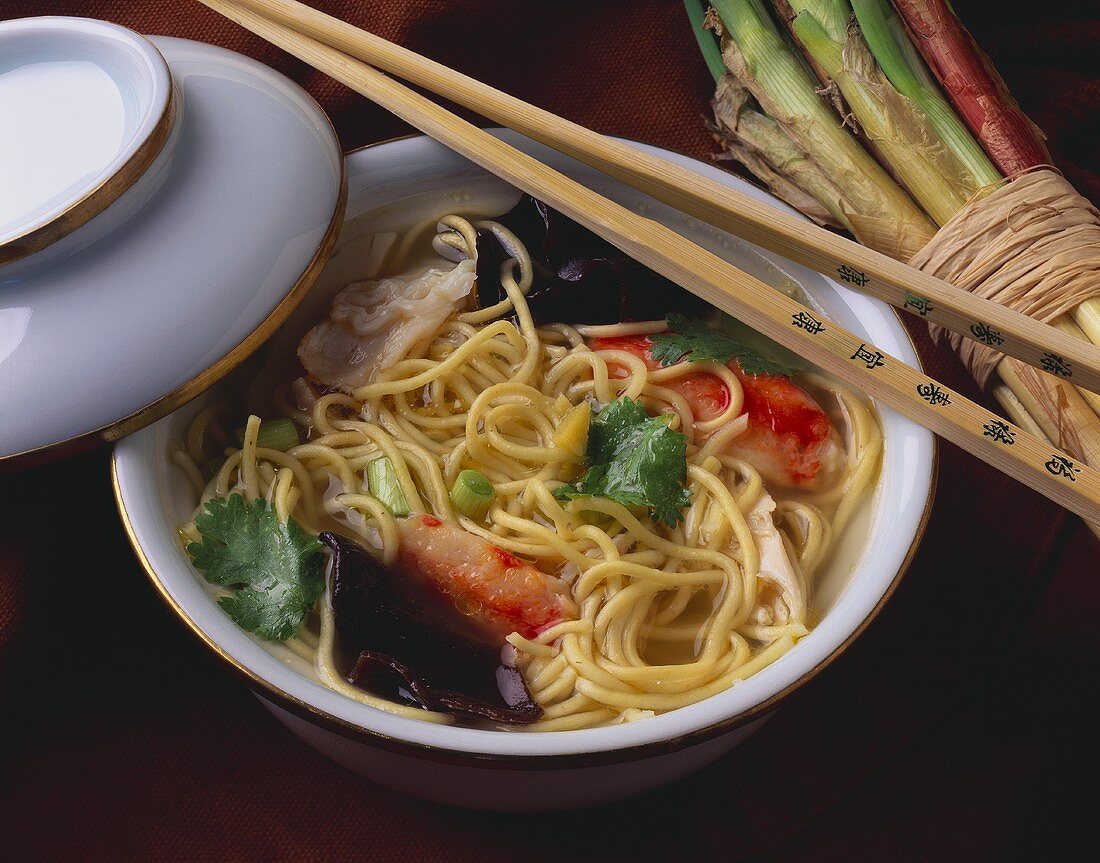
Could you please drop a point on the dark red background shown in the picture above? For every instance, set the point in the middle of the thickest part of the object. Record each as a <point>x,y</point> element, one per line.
<point>951,730</point>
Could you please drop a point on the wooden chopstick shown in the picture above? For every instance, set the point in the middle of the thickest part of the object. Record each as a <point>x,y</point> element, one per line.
<point>871,272</point>
<point>863,366</point>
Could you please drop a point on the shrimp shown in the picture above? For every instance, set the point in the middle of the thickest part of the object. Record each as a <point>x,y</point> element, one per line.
<point>789,437</point>
<point>707,394</point>
<point>497,592</point>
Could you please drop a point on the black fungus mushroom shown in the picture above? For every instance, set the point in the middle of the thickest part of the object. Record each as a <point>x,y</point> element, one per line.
<point>403,648</point>
<point>579,278</point>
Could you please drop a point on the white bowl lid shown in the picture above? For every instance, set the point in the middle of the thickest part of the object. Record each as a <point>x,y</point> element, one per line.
<point>186,272</point>
<point>87,107</point>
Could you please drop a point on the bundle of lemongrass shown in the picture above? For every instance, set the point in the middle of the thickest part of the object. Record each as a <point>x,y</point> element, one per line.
<point>886,120</point>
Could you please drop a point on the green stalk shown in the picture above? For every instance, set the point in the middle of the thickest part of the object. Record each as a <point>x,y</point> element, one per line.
<point>756,140</point>
<point>882,214</point>
<point>899,59</point>
<point>899,132</point>
<point>831,15</point>
<point>708,44</point>
<point>759,143</point>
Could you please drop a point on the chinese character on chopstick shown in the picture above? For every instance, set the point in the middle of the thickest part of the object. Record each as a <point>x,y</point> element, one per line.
<point>1000,432</point>
<point>986,334</point>
<point>932,394</point>
<point>1059,465</point>
<point>873,359</point>
<point>920,305</point>
<point>807,322</point>
<point>852,276</point>
<point>1056,365</point>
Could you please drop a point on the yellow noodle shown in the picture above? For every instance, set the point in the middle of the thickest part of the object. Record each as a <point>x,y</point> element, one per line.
<point>666,616</point>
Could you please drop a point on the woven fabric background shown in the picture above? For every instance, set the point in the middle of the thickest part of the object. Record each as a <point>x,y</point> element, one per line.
<point>949,731</point>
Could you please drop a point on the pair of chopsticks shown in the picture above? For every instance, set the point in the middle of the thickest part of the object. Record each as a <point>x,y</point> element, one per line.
<point>339,49</point>
<point>889,280</point>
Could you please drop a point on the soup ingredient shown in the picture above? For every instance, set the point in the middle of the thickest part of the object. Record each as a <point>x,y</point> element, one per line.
<point>280,434</point>
<point>695,341</point>
<point>496,592</point>
<point>372,325</point>
<point>274,567</point>
<point>579,278</point>
<point>382,483</point>
<point>789,438</point>
<point>635,459</point>
<point>707,394</point>
<point>472,494</point>
<point>775,565</point>
<point>571,434</point>
<point>403,646</point>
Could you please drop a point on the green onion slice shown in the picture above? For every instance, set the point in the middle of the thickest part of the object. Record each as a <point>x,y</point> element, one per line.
<point>279,434</point>
<point>472,494</point>
<point>383,484</point>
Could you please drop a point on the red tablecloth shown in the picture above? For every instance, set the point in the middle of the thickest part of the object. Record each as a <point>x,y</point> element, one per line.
<point>948,731</point>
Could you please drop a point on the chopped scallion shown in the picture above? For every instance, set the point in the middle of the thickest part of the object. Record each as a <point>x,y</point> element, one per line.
<point>472,494</point>
<point>382,483</point>
<point>280,434</point>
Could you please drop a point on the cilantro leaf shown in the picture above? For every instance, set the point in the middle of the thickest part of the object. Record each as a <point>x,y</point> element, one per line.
<point>276,568</point>
<point>634,459</point>
<point>697,342</point>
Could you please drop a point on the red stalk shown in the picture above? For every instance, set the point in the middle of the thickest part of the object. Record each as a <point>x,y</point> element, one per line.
<point>974,87</point>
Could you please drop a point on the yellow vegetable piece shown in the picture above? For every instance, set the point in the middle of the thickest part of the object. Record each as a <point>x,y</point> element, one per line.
<point>571,434</point>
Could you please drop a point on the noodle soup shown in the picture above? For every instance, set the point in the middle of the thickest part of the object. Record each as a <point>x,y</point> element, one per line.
<point>506,477</point>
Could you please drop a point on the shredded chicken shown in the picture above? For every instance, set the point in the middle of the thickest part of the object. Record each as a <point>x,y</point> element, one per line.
<point>371,325</point>
<point>775,567</point>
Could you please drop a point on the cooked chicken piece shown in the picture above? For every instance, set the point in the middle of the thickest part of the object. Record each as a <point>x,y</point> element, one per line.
<point>775,566</point>
<point>373,324</point>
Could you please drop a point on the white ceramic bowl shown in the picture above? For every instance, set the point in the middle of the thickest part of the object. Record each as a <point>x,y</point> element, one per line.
<point>501,770</point>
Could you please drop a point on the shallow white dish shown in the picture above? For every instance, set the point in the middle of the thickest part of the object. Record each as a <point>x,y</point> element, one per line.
<point>87,106</point>
<point>544,770</point>
<point>188,275</point>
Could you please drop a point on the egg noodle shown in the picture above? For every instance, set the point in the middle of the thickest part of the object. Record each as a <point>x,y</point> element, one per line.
<point>666,616</point>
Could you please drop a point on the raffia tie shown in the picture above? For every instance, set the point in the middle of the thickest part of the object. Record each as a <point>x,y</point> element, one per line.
<point>1032,245</point>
